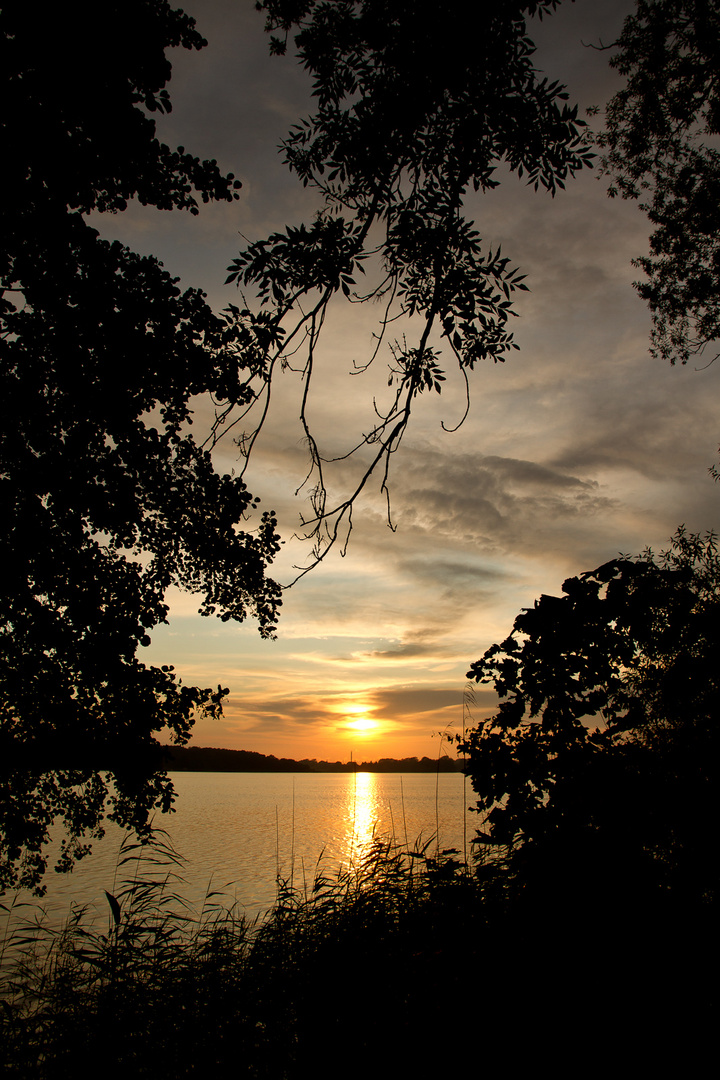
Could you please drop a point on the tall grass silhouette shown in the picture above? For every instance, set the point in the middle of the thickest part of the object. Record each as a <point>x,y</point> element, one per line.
<point>166,990</point>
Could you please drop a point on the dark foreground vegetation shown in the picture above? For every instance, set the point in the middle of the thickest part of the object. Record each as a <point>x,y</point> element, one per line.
<point>403,964</point>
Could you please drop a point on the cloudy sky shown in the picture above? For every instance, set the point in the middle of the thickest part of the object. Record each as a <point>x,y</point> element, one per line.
<point>579,447</point>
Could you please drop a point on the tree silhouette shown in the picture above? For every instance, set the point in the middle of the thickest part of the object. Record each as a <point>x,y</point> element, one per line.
<point>106,498</point>
<point>600,764</point>
<point>660,142</point>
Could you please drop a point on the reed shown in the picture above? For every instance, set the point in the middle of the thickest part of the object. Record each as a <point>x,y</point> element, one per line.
<point>166,991</point>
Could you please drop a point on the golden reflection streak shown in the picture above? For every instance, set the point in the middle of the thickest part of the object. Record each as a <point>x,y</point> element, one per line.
<point>362,814</point>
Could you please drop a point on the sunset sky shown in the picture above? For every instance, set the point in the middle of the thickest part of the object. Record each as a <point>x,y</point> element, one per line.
<point>579,447</point>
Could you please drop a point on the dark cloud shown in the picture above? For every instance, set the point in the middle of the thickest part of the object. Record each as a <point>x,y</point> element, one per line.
<point>405,650</point>
<point>402,701</point>
<point>531,475</point>
<point>492,502</point>
<point>278,710</point>
<point>635,430</point>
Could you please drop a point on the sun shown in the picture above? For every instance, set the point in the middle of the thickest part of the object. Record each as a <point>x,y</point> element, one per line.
<point>362,723</point>
<point>357,720</point>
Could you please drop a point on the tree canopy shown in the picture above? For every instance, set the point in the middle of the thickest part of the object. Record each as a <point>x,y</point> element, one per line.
<point>602,756</point>
<point>660,140</point>
<point>106,498</point>
<point>415,110</point>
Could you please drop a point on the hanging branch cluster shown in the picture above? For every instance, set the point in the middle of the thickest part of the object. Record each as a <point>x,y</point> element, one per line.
<point>414,111</point>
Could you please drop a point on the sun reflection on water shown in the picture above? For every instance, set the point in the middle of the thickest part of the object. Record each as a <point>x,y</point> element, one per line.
<point>363,811</point>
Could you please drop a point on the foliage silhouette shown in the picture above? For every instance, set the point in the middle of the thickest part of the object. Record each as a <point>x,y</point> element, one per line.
<point>598,772</point>
<point>169,991</point>
<point>106,498</point>
<point>413,113</point>
<point>661,149</point>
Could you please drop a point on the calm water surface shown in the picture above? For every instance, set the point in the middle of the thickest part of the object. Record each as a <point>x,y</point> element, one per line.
<point>239,831</point>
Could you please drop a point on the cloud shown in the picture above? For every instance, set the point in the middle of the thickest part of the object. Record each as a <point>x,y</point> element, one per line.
<point>402,701</point>
<point>492,504</point>
<point>405,650</point>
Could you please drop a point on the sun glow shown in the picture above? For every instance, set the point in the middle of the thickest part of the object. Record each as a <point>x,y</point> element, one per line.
<point>356,719</point>
<point>362,723</point>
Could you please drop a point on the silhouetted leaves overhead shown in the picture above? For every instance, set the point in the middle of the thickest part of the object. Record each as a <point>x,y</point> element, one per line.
<point>418,104</point>
<point>105,498</point>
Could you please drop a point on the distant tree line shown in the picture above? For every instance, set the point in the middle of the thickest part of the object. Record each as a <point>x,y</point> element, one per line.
<point>215,759</point>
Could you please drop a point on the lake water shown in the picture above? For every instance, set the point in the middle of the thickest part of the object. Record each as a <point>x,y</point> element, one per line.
<point>239,832</point>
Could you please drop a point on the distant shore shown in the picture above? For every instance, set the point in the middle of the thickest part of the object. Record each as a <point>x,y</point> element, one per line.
<point>215,759</point>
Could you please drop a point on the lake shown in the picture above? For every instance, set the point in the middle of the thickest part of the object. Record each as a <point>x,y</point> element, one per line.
<point>239,832</point>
